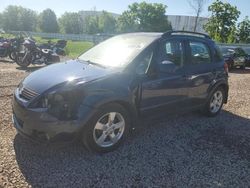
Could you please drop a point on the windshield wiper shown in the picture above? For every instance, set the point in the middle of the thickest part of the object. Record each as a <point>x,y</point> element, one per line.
<point>93,63</point>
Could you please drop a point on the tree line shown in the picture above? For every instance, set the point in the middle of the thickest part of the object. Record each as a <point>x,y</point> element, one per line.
<point>222,25</point>
<point>139,17</point>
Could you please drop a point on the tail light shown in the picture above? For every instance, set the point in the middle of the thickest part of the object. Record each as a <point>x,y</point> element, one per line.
<point>226,68</point>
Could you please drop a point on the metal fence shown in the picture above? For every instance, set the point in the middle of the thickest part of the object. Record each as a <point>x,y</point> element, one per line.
<point>234,45</point>
<point>96,38</point>
<point>75,37</point>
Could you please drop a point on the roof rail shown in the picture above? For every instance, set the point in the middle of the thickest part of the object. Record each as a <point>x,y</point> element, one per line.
<point>169,33</point>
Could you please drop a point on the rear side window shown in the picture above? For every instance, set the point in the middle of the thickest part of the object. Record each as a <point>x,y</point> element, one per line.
<point>200,53</point>
<point>217,54</point>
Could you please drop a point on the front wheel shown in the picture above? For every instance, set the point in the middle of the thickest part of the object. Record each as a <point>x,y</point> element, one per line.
<point>215,102</point>
<point>107,129</point>
<point>24,60</point>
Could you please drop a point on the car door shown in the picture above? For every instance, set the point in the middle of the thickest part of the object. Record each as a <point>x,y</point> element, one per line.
<point>200,70</point>
<point>165,86</point>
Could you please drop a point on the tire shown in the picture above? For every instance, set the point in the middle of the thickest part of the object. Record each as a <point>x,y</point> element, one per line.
<point>100,134</point>
<point>243,67</point>
<point>12,56</point>
<point>24,61</point>
<point>213,105</point>
<point>62,53</point>
<point>230,66</point>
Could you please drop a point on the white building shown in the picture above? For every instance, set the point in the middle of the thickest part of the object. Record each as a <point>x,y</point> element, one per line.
<point>187,23</point>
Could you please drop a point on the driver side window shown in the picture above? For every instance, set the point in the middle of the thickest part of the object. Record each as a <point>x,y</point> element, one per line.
<point>173,51</point>
<point>145,61</point>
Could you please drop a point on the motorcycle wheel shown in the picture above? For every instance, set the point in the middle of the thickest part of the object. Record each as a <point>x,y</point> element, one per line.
<point>61,52</point>
<point>12,56</point>
<point>23,61</point>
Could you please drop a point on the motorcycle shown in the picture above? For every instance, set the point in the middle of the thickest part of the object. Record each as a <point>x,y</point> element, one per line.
<point>10,47</point>
<point>57,48</point>
<point>32,54</point>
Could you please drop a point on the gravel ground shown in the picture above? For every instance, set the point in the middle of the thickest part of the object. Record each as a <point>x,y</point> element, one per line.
<point>187,150</point>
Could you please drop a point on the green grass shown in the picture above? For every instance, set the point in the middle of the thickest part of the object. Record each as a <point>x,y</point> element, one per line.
<point>75,48</point>
<point>40,40</point>
<point>6,35</point>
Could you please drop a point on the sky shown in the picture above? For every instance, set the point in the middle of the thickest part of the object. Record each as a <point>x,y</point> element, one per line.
<point>175,7</point>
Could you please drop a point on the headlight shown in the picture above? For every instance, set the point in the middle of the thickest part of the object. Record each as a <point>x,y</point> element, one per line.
<point>63,101</point>
<point>63,106</point>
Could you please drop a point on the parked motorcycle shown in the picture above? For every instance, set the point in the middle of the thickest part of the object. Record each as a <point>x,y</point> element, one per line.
<point>10,47</point>
<point>32,54</point>
<point>57,48</point>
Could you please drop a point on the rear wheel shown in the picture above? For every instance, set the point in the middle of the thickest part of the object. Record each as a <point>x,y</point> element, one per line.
<point>243,66</point>
<point>12,56</point>
<point>215,102</point>
<point>107,129</point>
<point>230,66</point>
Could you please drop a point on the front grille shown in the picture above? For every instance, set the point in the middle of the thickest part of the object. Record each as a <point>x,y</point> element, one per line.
<point>28,94</point>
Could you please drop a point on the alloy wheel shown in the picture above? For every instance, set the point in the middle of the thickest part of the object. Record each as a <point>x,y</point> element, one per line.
<point>216,102</point>
<point>109,129</point>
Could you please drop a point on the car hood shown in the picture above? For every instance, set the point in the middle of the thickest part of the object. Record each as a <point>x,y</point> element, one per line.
<point>52,75</point>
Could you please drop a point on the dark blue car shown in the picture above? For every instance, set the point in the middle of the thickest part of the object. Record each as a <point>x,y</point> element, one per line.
<point>98,97</point>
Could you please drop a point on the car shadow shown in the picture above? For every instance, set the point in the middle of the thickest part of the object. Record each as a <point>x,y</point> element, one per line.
<point>30,69</point>
<point>164,151</point>
<point>240,71</point>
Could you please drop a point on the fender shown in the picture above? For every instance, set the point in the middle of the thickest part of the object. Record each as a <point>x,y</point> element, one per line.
<point>217,83</point>
<point>99,98</point>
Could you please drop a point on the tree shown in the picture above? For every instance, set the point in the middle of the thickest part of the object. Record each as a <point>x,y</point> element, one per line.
<point>244,31</point>
<point>107,23</point>
<point>91,24</point>
<point>222,23</point>
<point>48,21</point>
<point>17,18</point>
<point>1,21</point>
<point>103,22</point>
<point>28,19</point>
<point>144,17</point>
<point>71,23</point>
<point>197,6</point>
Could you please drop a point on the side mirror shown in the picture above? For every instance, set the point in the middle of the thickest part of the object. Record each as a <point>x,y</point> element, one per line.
<point>167,67</point>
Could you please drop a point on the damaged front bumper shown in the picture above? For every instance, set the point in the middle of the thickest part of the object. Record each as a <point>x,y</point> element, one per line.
<point>40,126</point>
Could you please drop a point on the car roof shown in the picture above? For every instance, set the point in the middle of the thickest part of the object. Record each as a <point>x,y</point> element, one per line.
<point>158,35</point>
<point>144,34</point>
